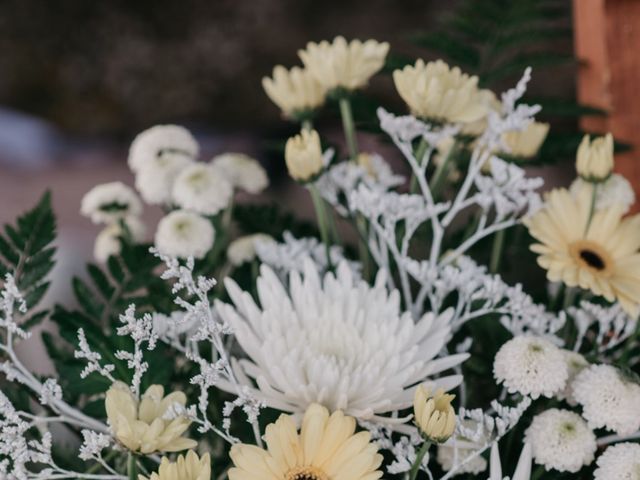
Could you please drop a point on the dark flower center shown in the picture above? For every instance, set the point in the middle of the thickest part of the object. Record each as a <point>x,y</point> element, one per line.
<point>592,259</point>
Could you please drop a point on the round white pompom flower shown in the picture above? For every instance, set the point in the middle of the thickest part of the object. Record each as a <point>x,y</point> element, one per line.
<point>561,440</point>
<point>608,399</point>
<point>242,171</point>
<point>243,249</point>
<point>619,462</point>
<point>531,366</point>
<point>108,243</point>
<point>202,189</point>
<point>110,202</point>
<point>155,181</point>
<point>161,141</point>
<point>184,234</point>
<point>575,364</point>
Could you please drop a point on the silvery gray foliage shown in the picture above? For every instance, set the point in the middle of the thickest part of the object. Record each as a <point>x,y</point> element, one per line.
<point>613,325</point>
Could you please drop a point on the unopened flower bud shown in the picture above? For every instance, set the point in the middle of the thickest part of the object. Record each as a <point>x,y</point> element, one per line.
<point>594,160</point>
<point>303,155</point>
<point>434,415</point>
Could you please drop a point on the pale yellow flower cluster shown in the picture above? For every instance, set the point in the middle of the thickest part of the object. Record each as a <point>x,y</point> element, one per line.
<point>189,467</point>
<point>434,414</point>
<point>303,155</point>
<point>526,143</point>
<point>140,426</point>
<point>594,160</point>
<point>295,91</point>
<point>437,92</point>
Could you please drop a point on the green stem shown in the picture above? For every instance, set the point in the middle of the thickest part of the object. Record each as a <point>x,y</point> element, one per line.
<point>592,208</point>
<point>421,149</point>
<point>441,172</point>
<point>496,251</point>
<point>416,465</point>
<point>132,467</point>
<point>321,215</point>
<point>307,124</point>
<point>348,126</point>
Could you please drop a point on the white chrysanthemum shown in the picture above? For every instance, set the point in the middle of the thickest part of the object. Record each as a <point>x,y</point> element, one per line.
<point>161,141</point>
<point>155,181</point>
<point>615,190</point>
<point>619,462</point>
<point>242,171</point>
<point>110,202</point>
<point>243,249</point>
<point>575,364</point>
<point>531,366</point>
<point>201,188</point>
<point>184,234</point>
<point>108,240</point>
<point>448,458</point>
<point>337,341</point>
<point>561,440</point>
<point>608,399</point>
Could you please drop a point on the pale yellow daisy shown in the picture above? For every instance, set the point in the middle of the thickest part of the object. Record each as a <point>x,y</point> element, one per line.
<point>327,448</point>
<point>188,467</point>
<point>600,254</point>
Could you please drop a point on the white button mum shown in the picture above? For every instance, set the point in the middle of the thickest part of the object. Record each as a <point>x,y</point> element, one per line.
<point>561,440</point>
<point>110,202</point>
<point>108,240</point>
<point>202,189</point>
<point>161,141</point>
<point>155,181</point>
<point>336,341</point>
<point>242,171</point>
<point>243,249</point>
<point>608,399</point>
<point>531,366</point>
<point>619,462</point>
<point>184,234</point>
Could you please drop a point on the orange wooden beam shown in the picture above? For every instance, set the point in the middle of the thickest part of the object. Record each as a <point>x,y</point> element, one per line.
<point>607,44</point>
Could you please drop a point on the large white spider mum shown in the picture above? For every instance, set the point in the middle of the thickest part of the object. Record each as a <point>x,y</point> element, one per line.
<point>531,366</point>
<point>619,462</point>
<point>161,141</point>
<point>184,234</point>
<point>608,399</point>
<point>337,341</point>
<point>561,440</point>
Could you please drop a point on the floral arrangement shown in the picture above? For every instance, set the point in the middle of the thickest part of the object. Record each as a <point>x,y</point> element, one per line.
<point>218,352</point>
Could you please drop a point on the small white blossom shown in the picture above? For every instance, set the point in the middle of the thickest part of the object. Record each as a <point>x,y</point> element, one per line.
<point>619,462</point>
<point>161,141</point>
<point>92,445</point>
<point>184,234</point>
<point>108,241</point>
<point>243,249</point>
<point>242,171</point>
<point>615,190</point>
<point>201,188</point>
<point>110,202</point>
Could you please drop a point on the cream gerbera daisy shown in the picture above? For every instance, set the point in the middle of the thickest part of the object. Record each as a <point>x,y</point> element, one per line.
<point>600,254</point>
<point>327,448</point>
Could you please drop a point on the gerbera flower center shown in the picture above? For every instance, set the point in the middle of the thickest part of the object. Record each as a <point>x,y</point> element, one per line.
<point>306,473</point>
<point>591,255</point>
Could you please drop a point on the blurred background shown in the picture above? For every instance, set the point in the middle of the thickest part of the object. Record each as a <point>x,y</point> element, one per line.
<point>79,79</point>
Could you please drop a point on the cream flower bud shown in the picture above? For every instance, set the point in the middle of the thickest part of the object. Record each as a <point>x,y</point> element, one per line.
<point>434,415</point>
<point>140,426</point>
<point>526,143</point>
<point>438,92</point>
<point>188,467</point>
<point>295,91</point>
<point>344,65</point>
<point>594,160</point>
<point>303,155</point>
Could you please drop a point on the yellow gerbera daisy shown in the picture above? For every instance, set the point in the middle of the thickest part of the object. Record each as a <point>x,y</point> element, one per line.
<point>600,254</point>
<point>189,467</point>
<point>327,448</point>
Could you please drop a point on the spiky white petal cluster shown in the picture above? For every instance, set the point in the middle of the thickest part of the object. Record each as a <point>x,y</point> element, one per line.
<point>337,341</point>
<point>619,462</point>
<point>531,366</point>
<point>242,171</point>
<point>608,399</point>
<point>161,141</point>
<point>561,440</point>
<point>616,190</point>
<point>110,202</point>
<point>243,249</point>
<point>184,234</point>
<point>202,189</point>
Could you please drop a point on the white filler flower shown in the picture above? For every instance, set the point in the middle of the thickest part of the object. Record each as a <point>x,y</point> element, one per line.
<point>161,141</point>
<point>619,462</point>
<point>242,171</point>
<point>608,399</point>
<point>110,202</point>
<point>337,341</point>
<point>531,366</point>
<point>184,234</point>
<point>561,440</point>
<point>202,189</point>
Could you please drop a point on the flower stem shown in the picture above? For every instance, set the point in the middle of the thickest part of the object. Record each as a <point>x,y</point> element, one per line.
<point>440,174</point>
<point>592,208</point>
<point>132,467</point>
<point>348,126</point>
<point>307,124</point>
<point>421,149</point>
<point>321,215</point>
<point>496,251</point>
<point>416,465</point>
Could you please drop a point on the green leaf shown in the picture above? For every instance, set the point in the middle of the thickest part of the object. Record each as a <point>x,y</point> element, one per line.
<point>100,280</point>
<point>86,298</point>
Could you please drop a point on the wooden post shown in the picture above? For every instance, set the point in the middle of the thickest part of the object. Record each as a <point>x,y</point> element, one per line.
<point>607,43</point>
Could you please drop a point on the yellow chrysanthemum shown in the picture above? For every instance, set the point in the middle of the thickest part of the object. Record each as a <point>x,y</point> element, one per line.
<point>344,65</point>
<point>303,155</point>
<point>601,255</point>
<point>295,91</point>
<point>327,448</point>
<point>139,426</point>
<point>188,467</point>
<point>526,143</point>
